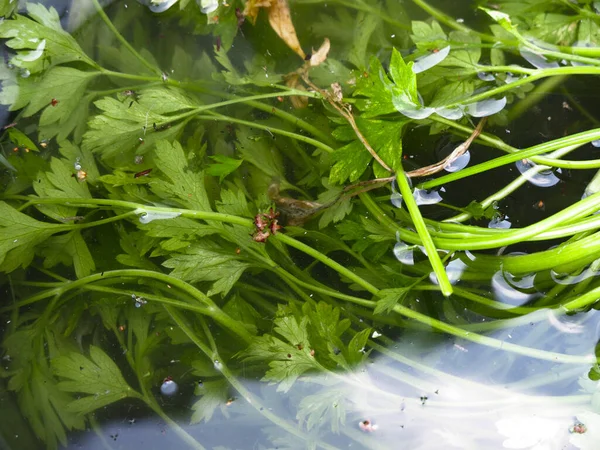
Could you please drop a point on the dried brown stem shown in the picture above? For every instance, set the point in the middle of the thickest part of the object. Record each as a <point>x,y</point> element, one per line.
<point>458,151</point>
<point>346,112</point>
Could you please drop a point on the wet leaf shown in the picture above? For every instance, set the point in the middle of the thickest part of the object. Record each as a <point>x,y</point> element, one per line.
<point>281,22</point>
<point>40,40</point>
<point>97,376</point>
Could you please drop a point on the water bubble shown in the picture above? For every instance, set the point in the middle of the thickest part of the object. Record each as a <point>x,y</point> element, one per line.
<point>404,253</point>
<point>410,109</point>
<point>396,197</point>
<point>218,365</point>
<point>596,143</point>
<point>450,113</point>
<point>77,164</point>
<point>484,76</point>
<point>148,216</point>
<point>207,6</point>
<point>538,61</point>
<point>139,159</point>
<point>458,163</point>
<point>500,221</point>
<point>425,197</point>
<point>568,279</point>
<point>169,387</point>
<point>427,62</point>
<point>486,108</point>
<point>454,270</point>
<point>33,54</point>
<point>514,290</point>
<point>24,73</point>
<point>158,6</point>
<point>139,301</point>
<point>533,173</point>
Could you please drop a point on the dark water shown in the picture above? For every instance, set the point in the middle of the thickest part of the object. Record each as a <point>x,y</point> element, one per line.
<point>419,388</point>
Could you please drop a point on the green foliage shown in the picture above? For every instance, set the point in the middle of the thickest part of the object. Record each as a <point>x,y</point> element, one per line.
<point>139,210</point>
<point>40,41</point>
<point>98,376</point>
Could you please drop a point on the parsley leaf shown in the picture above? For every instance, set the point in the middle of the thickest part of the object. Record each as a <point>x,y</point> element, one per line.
<point>58,91</point>
<point>288,358</point>
<point>181,184</point>
<point>19,234</point>
<point>60,182</point>
<point>41,40</point>
<point>327,406</point>
<point>386,94</point>
<point>224,166</point>
<point>206,262</point>
<point>128,125</point>
<point>390,298</point>
<point>352,160</point>
<point>68,249</point>
<point>97,376</point>
<point>214,395</point>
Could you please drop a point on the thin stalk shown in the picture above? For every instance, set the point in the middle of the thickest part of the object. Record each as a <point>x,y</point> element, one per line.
<point>574,139</point>
<point>537,75</point>
<point>212,310</point>
<point>495,142</point>
<point>512,186</point>
<point>299,137</point>
<point>535,96</point>
<point>252,400</point>
<point>121,39</point>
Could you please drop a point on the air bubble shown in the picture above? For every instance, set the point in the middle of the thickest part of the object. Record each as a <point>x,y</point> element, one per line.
<point>484,76</point>
<point>532,173</point>
<point>207,6</point>
<point>499,222</point>
<point>148,216</point>
<point>454,270</point>
<point>396,197</point>
<point>458,163</point>
<point>514,290</point>
<point>427,62</point>
<point>158,6</point>
<point>33,54</point>
<point>424,197</point>
<point>169,387</point>
<point>486,108</point>
<point>404,253</point>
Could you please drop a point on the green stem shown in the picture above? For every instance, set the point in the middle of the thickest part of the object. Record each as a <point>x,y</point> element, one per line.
<point>496,142</point>
<point>252,400</point>
<point>299,137</point>
<point>536,75</point>
<point>417,220</point>
<point>212,310</point>
<point>572,140</point>
<point>121,39</point>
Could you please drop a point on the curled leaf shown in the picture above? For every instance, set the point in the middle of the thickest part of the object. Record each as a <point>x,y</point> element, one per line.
<point>281,22</point>
<point>293,81</point>
<point>320,55</point>
<point>253,6</point>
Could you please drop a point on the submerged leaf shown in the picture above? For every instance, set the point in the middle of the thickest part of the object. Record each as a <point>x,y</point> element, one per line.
<point>97,376</point>
<point>41,40</point>
<point>19,235</point>
<point>287,359</point>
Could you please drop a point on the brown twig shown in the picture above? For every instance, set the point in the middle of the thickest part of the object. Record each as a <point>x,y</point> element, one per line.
<point>458,151</point>
<point>346,112</point>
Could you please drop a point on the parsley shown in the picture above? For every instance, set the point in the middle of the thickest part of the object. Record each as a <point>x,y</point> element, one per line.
<point>98,376</point>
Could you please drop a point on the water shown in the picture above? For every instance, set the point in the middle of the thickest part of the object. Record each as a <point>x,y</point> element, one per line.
<point>195,333</point>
